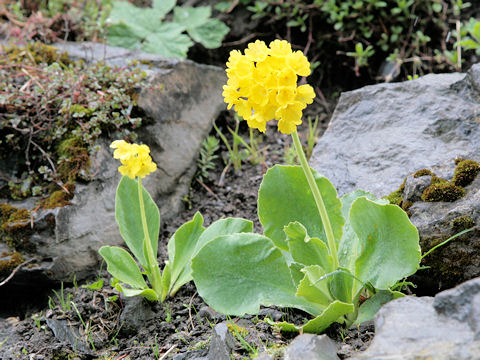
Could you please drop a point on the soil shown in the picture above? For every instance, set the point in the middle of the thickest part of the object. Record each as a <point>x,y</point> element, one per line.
<point>82,323</point>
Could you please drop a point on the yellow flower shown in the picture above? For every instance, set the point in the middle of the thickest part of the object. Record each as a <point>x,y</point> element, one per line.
<point>262,85</point>
<point>135,159</point>
<point>256,51</point>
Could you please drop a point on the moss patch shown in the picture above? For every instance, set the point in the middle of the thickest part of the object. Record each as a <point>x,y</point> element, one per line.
<point>10,261</point>
<point>443,191</point>
<point>59,198</point>
<point>14,225</point>
<point>465,172</point>
<point>462,223</point>
<point>423,172</point>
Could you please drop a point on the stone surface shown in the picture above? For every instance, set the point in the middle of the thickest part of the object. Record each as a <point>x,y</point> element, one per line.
<point>182,100</point>
<point>444,327</point>
<point>379,134</point>
<point>222,343</point>
<point>383,133</point>
<point>311,347</point>
<point>135,313</point>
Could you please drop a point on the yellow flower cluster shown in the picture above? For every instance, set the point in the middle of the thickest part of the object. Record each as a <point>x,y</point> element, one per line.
<point>262,85</point>
<point>135,159</point>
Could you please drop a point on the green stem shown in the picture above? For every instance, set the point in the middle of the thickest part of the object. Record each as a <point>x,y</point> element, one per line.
<point>153,271</point>
<point>318,198</point>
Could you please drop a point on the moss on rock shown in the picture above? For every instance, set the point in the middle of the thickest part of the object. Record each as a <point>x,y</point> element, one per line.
<point>10,261</point>
<point>443,191</point>
<point>462,223</point>
<point>423,172</point>
<point>465,172</point>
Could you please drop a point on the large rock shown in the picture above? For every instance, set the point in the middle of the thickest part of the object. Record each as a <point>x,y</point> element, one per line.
<point>444,327</point>
<point>381,134</point>
<point>183,99</point>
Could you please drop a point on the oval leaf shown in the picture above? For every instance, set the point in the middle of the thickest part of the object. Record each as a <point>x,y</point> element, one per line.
<point>235,274</point>
<point>389,243</point>
<point>122,266</point>
<point>127,214</point>
<point>285,197</point>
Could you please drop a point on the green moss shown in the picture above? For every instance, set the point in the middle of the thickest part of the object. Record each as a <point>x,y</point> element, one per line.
<point>462,223</point>
<point>396,197</point>
<point>10,261</point>
<point>465,172</point>
<point>443,191</point>
<point>14,225</point>
<point>73,157</point>
<point>36,53</point>
<point>438,180</point>
<point>423,172</point>
<point>59,198</point>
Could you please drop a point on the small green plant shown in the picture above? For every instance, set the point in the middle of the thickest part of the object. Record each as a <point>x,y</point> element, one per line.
<point>155,348</point>
<point>86,327</point>
<point>138,219</point>
<point>472,40</point>
<point>290,156</point>
<point>97,285</point>
<point>361,56</point>
<point>235,156</point>
<point>318,252</point>
<point>146,28</point>
<point>63,301</point>
<point>205,162</point>
<point>54,131</point>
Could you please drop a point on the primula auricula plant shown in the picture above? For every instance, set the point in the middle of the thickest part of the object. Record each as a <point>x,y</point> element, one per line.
<point>319,253</point>
<point>138,219</point>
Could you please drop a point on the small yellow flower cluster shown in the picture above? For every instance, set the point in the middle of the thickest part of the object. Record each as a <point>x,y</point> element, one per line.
<point>135,159</point>
<point>262,84</point>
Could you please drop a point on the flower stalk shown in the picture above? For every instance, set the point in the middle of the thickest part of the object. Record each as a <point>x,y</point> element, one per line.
<point>154,275</point>
<point>318,198</point>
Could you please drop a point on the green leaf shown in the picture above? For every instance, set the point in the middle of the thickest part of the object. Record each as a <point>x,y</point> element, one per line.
<point>209,34</point>
<point>123,36</point>
<point>306,250</point>
<point>313,290</point>
<point>331,314</point>
<point>148,294</point>
<point>320,323</point>
<point>190,17</point>
<point>389,243</point>
<point>181,247</point>
<point>168,41</point>
<point>235,274</point>
<point>127,214</point>
<point>191,237</point>
<point>349,247</point>
<point>341,285</point>
<point>122,266</point>
<point>285,197</point>
<point>140,20</point>
<point>163,7</point>
<point>371,306</point>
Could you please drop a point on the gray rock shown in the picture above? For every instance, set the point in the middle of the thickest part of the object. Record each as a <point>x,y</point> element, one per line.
<point>183,99</point>
<point>222,343</point>
<point>311,347</point>
<point>64,332</point>
<point>444,327</point>
<point>414,187</point>
<point>135,313</point>
<point>381,134</point>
